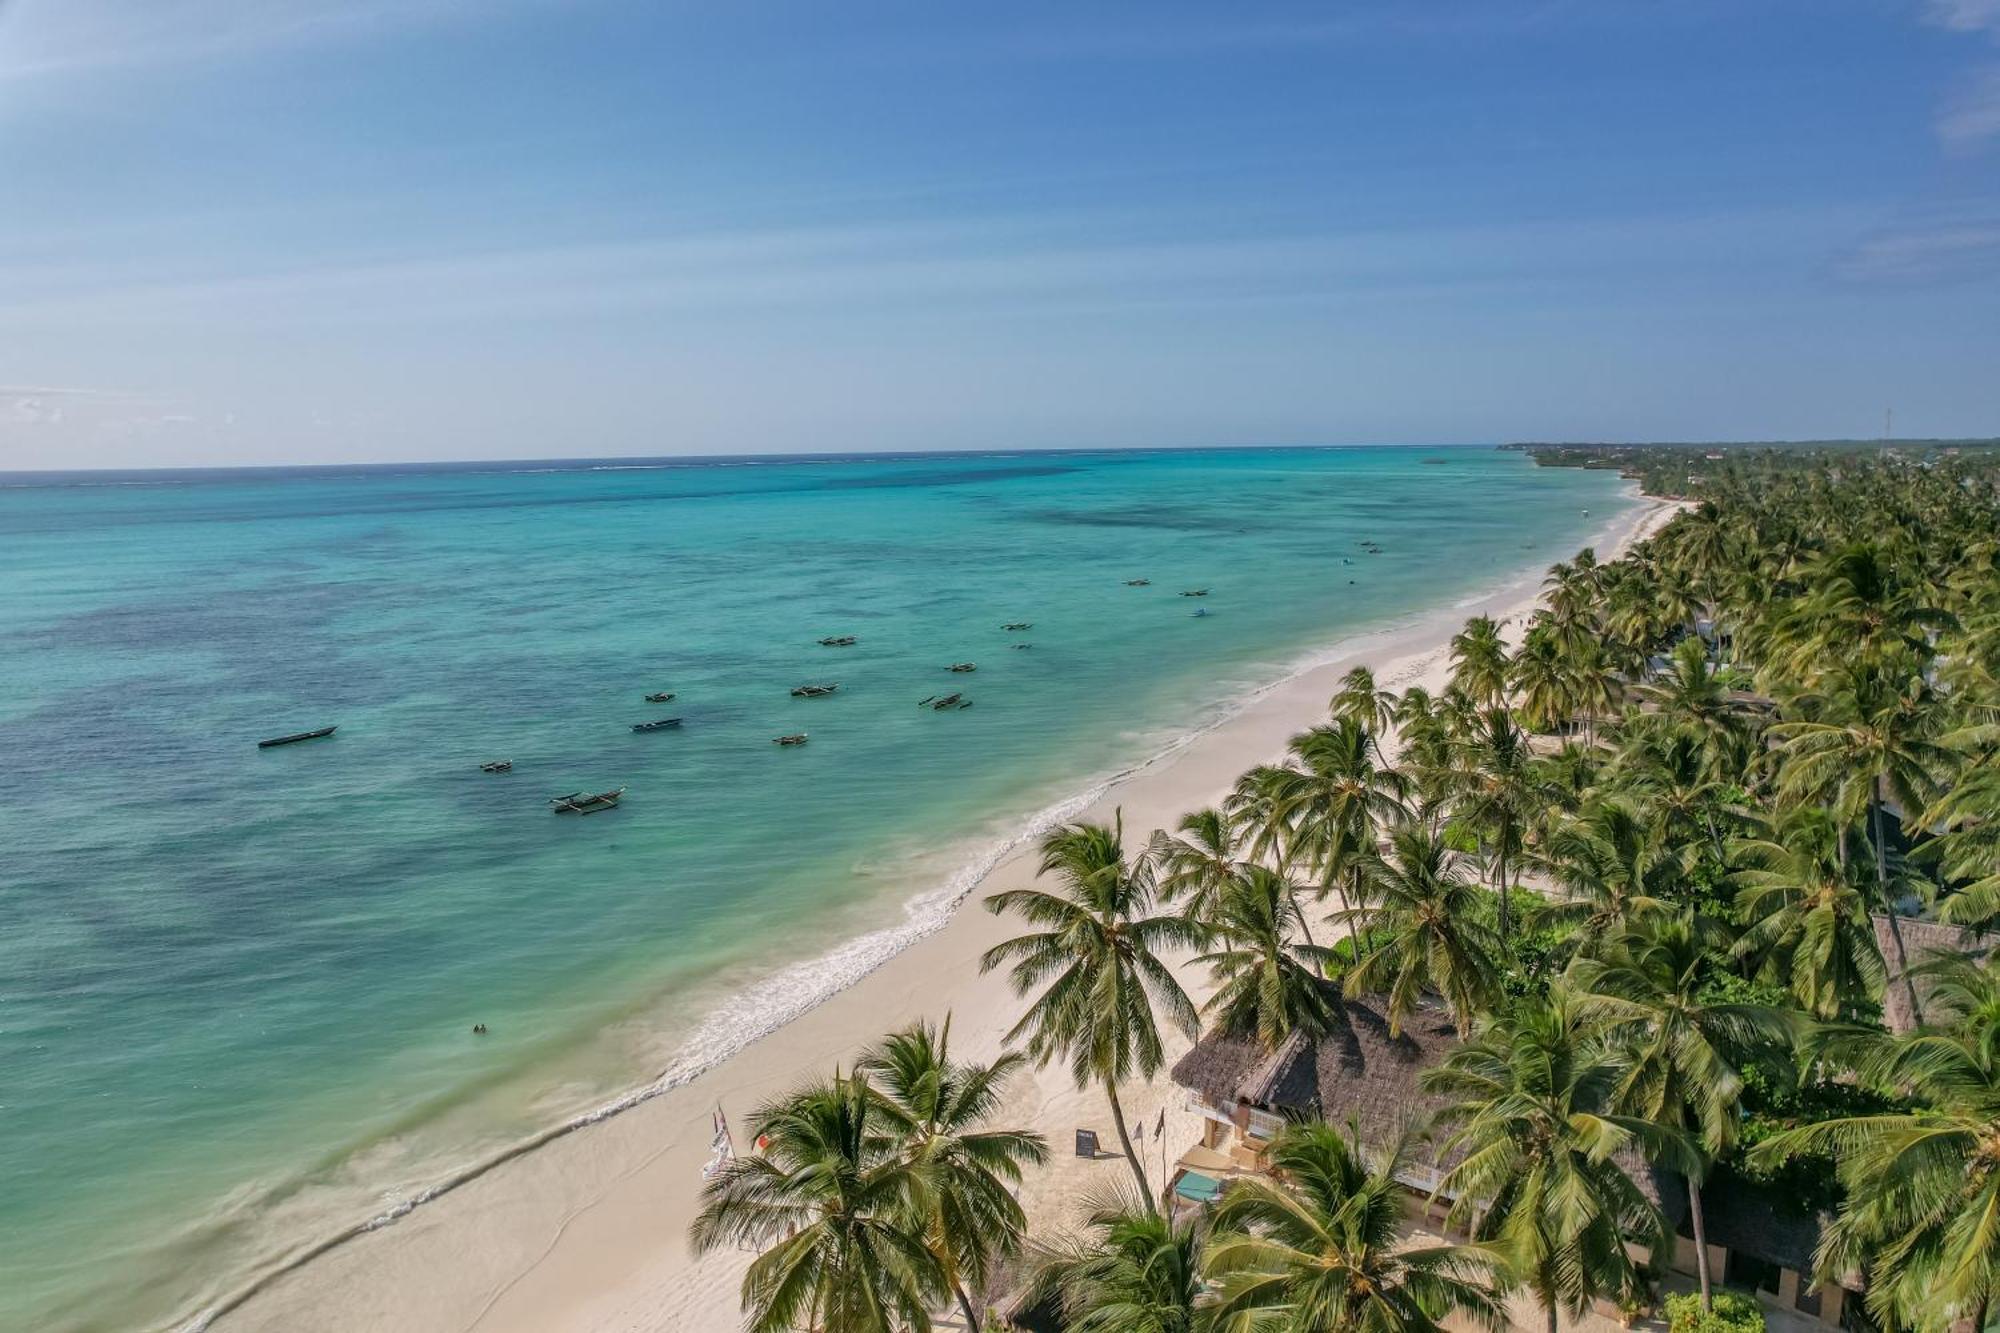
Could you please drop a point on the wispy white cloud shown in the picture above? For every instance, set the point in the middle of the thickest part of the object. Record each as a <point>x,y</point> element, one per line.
<point>1971,116</point>
<point>995,263</point>
<point>45,37</point>
<point>1931,252</point>
<point>1965,15</point>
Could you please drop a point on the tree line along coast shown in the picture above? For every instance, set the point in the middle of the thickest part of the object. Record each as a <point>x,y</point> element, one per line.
<point>1654,939</point>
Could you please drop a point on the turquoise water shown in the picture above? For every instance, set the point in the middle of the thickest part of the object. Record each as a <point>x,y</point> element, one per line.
<point>237,985</point>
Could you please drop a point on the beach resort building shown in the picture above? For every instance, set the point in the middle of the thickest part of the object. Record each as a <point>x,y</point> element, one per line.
<point>1360,1074</point>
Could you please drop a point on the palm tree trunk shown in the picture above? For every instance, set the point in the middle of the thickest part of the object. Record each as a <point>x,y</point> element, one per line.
<point>1549,1311</point>
<point>1700,1245</point>
<point>1305,926</point>
<point>965,1306</point>
<point>1131,1155</point>
<point>1888,904</point>
<point>1500,859</point>
<point>1346,900</point>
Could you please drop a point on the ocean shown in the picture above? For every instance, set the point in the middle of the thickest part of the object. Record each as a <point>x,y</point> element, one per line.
<point>238,985</point>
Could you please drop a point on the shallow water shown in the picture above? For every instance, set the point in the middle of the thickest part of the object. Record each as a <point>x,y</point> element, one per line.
<point>237,985</point>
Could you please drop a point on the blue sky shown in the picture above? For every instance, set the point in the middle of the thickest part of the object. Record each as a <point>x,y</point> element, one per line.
<point>326,230</point>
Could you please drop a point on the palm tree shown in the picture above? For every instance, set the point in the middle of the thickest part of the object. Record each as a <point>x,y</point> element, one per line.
<point>1923,1185</point>
<point>1612,867</point>
<point>1683,1050</point>
<point>1266,984</point>
<point>1861,610</point>
<point>1429,930</point>
<point>1497,792</point>
<point>1678,773</point>
<point>933,1107</point>
<point>1805,914</point>
<point>828,1201</point>
<point>1967,852</point>
<point>1541,674</point>
<point>1528,1104</point>
<point>1197,866</point>
<point>1596,687</point>
<point>1133,1272</point>
<point>1703,548</point>
<point>1692,692</point>
<point>1874,738</point>
<point>1316,1248</point>
<point>1328,800</point>
<point>1359,701</point>
<point>1425,748</point>
<point>1099,955</point>
<point>1479,662</point>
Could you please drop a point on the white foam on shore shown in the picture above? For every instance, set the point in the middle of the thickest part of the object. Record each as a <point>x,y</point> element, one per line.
<point>798,988</point>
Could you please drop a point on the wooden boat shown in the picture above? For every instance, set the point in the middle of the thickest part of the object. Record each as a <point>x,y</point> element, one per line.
<point>963,667</point>
<point>838,641</point>
<point>1195,592</point>
<point>585,803</point>
<point>660,725</point>
<point>497,766</point>
<point>663,697</point>
<point>1019,646</point>
<point>796,738</point>
<point>295,738</point>
<point>946,701</point>
<point>814,691</point>
<point>1138,583</point>
<point>1019,624</point>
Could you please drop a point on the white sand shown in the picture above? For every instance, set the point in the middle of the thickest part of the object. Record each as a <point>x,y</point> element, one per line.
<point>589,1232</point>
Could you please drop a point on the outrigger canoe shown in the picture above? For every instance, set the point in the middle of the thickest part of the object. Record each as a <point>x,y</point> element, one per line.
<point>585,803</point>
<point>296,737</point>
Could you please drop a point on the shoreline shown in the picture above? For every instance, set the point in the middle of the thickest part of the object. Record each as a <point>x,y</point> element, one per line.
<point>592,1225</point>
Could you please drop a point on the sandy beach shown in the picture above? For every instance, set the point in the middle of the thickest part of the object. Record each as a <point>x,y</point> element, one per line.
<point>587,1233</point>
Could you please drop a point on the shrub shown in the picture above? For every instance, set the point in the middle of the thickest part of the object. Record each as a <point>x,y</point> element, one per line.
<point>1734,1313</point>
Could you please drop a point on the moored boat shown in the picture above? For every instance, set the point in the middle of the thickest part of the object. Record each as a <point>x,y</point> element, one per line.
<point>661,725</point>
<point>796,738</point>
<point>586,803</point>
<point>1195,592</point>
<point>963,667</point>
<point>663,697</point>
<point>838,641</point>
<point>1138,583</point>
<point>497,766</point>
<point>814,691</point>
<point>943,702</point>
<point>1019,624</point>
<point>296,737</point>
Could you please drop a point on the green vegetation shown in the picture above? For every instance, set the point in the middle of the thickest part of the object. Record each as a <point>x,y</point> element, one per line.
<point>1660,853</point>
<point>1733,1313</point>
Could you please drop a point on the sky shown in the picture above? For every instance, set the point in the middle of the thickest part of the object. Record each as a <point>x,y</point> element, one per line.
<point>299,231</point>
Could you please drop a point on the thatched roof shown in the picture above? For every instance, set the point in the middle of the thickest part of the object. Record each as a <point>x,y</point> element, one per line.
<point>1922,940</point>
<point>1357,1073</point>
